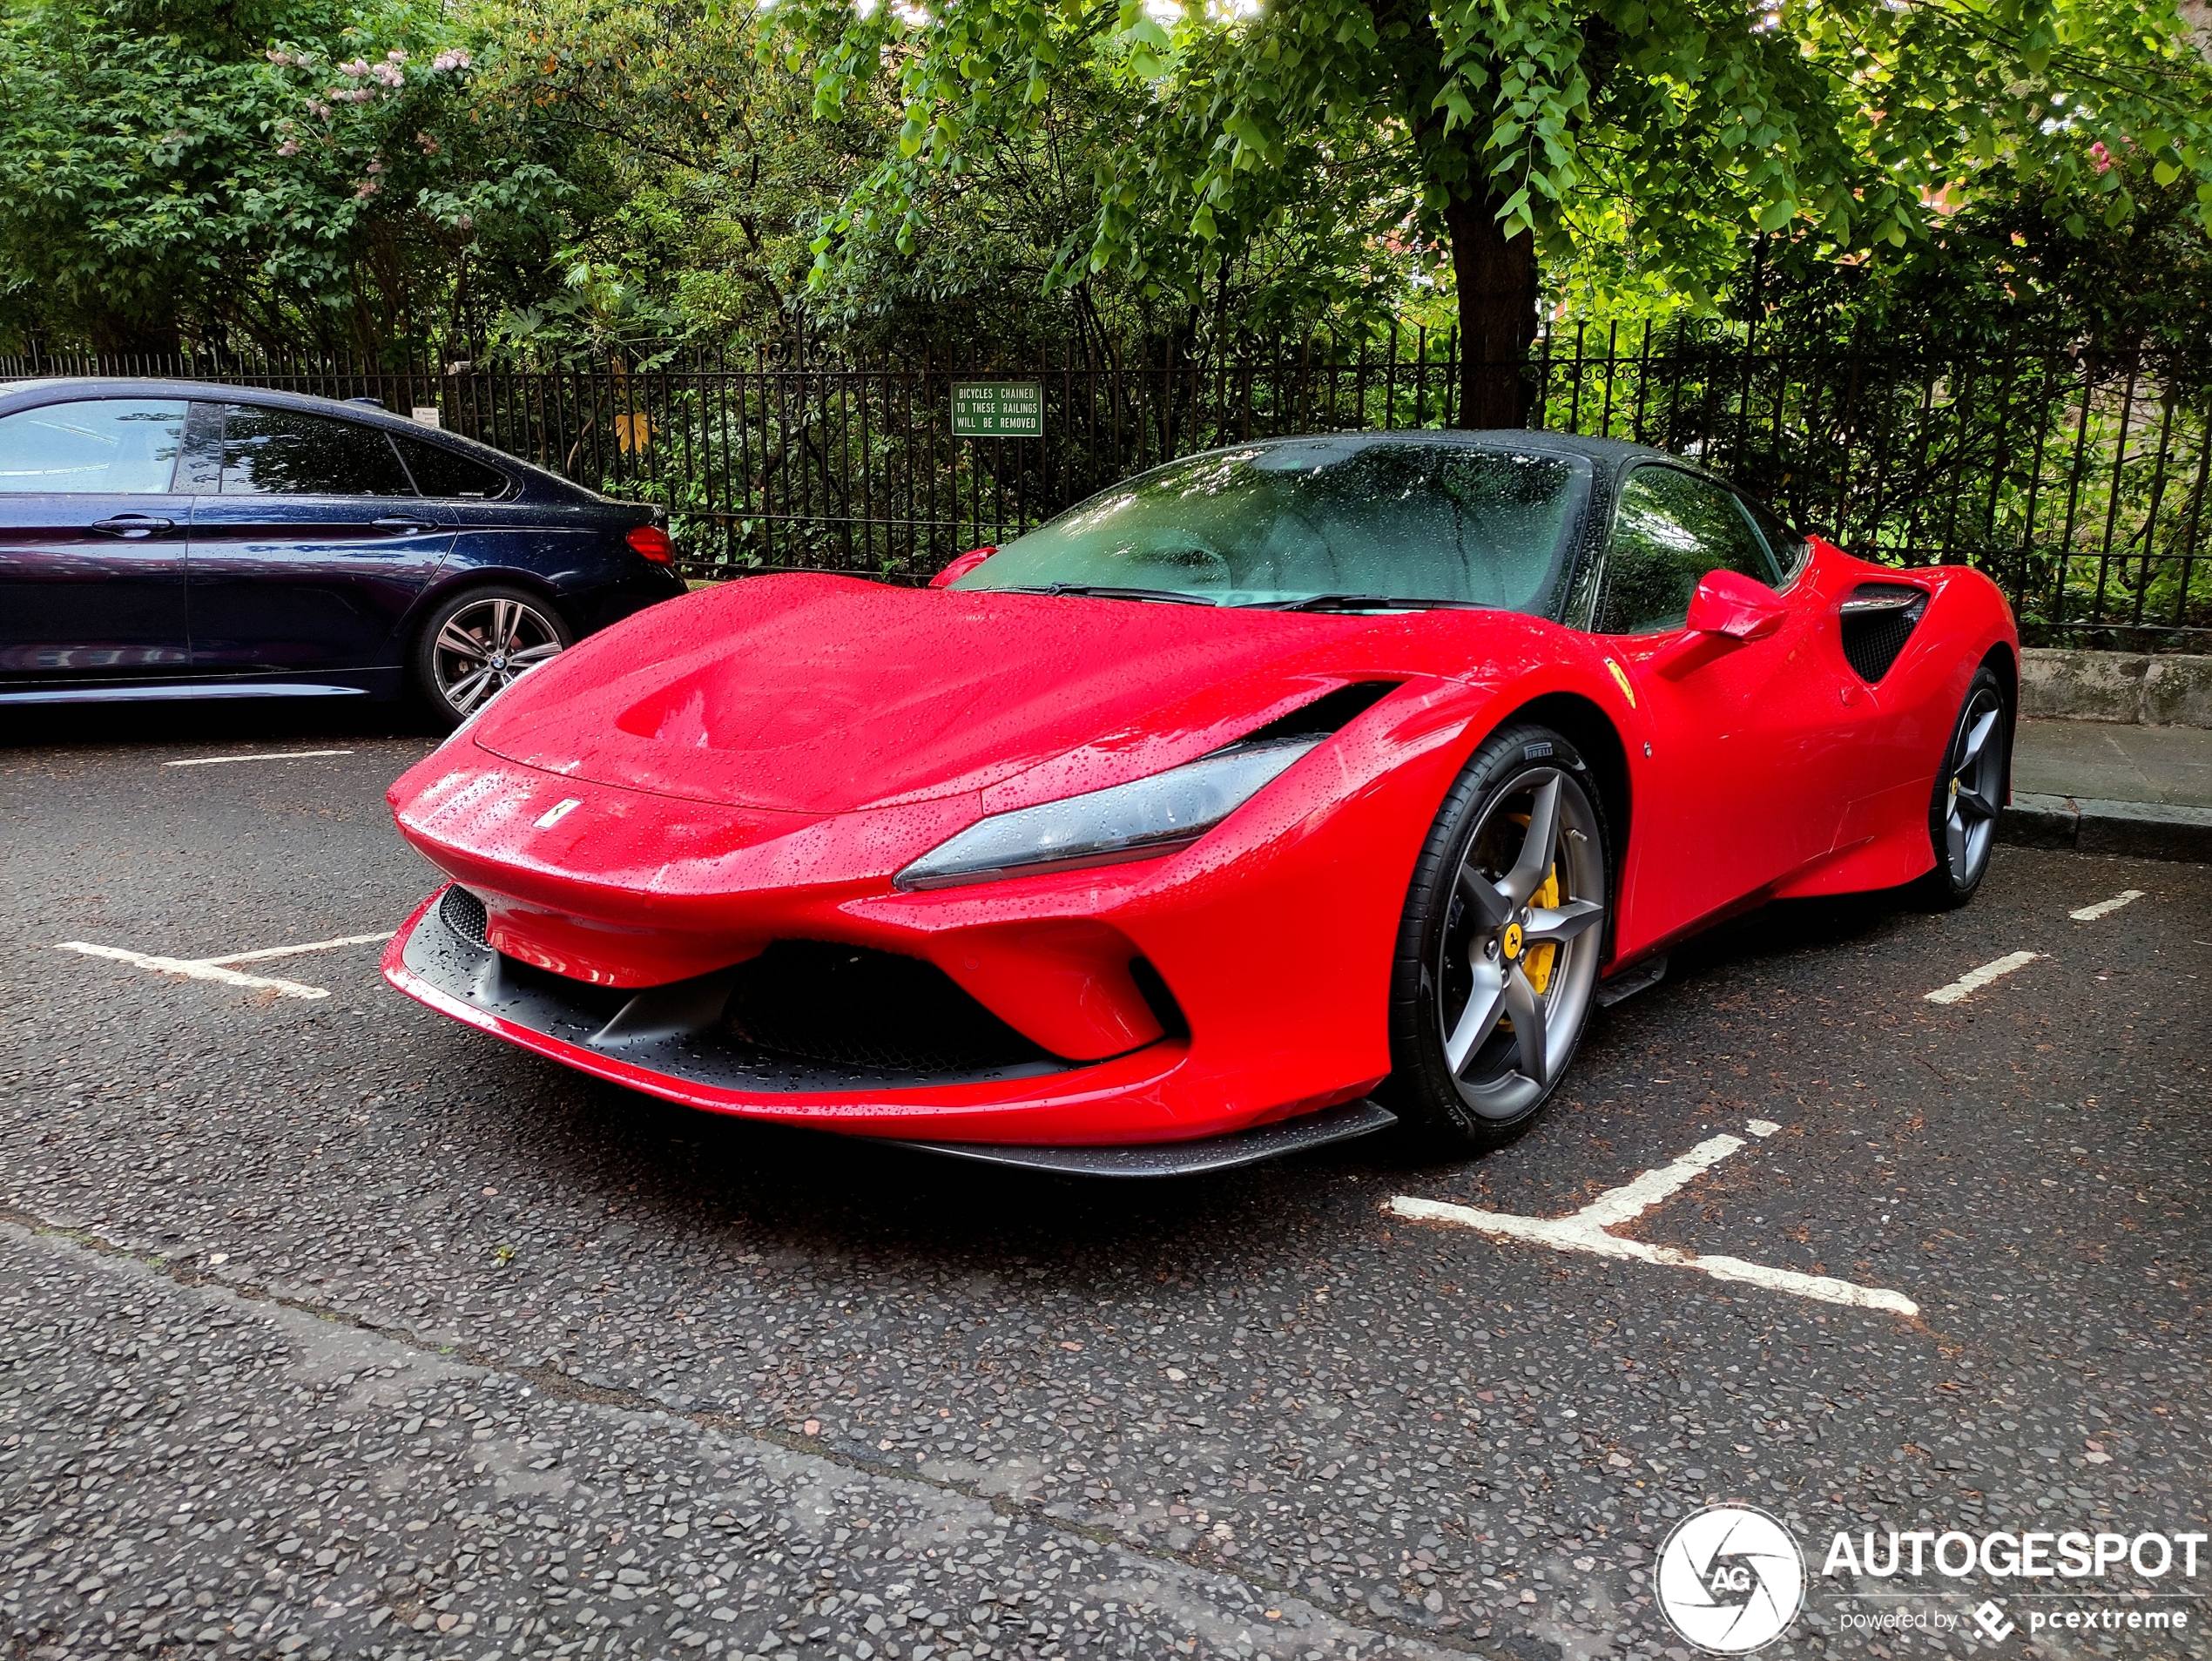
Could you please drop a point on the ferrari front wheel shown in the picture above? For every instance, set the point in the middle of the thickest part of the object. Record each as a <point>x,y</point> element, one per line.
<point>1499,948</point>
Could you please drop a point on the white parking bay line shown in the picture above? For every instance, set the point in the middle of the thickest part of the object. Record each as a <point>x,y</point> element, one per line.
<point>267,952</point>
<point>219,968</point>
<point>270,756</point>
<point>1586,1231</point>
<point>2104,907</point>
<point>1975,978</point>
<point>193,969</point>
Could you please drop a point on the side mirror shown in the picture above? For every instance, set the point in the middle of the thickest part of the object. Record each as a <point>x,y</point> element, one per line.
<point>1730,603</point>
<point>960,567</point>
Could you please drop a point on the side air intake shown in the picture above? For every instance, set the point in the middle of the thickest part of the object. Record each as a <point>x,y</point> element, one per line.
<point>1878,618</point>
<point>465,914</point>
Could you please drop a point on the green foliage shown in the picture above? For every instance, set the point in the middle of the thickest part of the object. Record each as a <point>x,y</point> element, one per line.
<point>581,176</point>
<point>1664,132</point>
<point>288,173</point>
<point>2003,270</point>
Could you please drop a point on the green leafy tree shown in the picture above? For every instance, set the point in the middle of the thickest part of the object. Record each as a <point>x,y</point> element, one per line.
<point>1505,134</point>
<point>175,171</point>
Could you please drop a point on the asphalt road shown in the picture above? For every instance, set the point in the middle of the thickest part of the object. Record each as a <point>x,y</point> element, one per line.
<point>328,1326</point>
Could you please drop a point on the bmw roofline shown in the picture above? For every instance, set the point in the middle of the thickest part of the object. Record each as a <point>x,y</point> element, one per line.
<point>534,480</point>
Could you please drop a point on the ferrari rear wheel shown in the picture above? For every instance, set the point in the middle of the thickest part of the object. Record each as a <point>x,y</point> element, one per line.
<point>1499,949</point>
<point>1969,793</point>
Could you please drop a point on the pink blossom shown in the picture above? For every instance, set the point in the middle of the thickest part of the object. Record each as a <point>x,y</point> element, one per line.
<point>464,221</point>
<point>278,57</point>
<point>2102,156</point>
<point>430,146</point>
<point>289,147</point>
<point>358,68</point>
<point>317,108</point>
<point>452,57</point>
<point>376,165</point>
<point>365,189</point>
<point>396,56</point>
<point>390,74</point>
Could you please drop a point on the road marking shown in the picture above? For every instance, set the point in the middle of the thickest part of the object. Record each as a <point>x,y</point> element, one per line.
<point>193,969</point>
<point>267,952</point>
<point>2105,907</point>
<point>1975,978</point>
<point>1586,1231</point>
<point>218,968</point>
<point>272,755</point>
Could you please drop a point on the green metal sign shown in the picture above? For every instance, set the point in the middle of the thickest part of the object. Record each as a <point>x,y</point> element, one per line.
<point>998,409</point>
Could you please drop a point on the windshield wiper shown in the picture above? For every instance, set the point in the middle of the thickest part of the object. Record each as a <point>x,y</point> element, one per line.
<point>1107,591</point>
<point>1367,603</point>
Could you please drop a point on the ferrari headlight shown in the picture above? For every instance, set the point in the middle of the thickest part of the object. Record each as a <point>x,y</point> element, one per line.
<point>1139,819</point>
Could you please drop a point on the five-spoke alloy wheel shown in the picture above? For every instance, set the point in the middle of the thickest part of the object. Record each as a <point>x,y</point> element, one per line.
<point>479,642</point>
<point>1970,789</point>
<point>1501,941</point>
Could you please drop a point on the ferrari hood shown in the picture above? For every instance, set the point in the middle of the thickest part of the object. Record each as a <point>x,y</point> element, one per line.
<point>824,695</point>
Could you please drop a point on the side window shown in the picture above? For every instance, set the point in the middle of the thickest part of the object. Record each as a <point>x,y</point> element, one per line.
<point>1788,547</point>
<point>1669,528</point>
<point>283,452</point>
<point>440,471</point>
<point>99,447</point>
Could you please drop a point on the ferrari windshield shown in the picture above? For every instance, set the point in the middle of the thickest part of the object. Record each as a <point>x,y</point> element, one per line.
<point>1350,523</point>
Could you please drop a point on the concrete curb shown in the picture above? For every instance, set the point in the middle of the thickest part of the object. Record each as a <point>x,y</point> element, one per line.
<point>2130,688</point>
<point>2141,830</point>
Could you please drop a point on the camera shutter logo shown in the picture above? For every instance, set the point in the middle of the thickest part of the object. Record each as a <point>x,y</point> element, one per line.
<point>1731,1579</point>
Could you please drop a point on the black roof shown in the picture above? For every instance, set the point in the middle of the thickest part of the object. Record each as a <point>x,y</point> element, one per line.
<point>1610,455</point>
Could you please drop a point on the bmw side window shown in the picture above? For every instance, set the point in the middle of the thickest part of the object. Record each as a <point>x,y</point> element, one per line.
<point>99,446</point>
<point>1669,529</point>
<point>285,452</point>
<point>441,472</point>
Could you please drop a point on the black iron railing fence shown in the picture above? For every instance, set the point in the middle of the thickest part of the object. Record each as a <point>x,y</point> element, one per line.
<point>2078,482</point>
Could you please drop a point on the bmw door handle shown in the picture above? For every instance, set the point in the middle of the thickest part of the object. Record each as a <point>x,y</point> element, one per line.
<point>397,523</point>
<point>133,526</point>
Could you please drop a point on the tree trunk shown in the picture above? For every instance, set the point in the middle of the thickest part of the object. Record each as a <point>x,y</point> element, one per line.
<point>1497,283</point>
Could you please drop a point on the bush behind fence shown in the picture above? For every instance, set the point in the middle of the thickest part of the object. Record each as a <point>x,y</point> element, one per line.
<point>2078,483</point>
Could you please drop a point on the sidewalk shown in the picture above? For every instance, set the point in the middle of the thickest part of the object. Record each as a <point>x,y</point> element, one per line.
<point>2106,787</point>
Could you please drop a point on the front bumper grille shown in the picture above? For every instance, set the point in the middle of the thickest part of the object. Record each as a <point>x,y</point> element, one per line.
<point>848,1006</point>
<point>805,1016</point>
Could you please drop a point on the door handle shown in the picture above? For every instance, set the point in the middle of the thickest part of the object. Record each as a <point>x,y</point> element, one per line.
<point>133,526</point>
<point>397,522</point>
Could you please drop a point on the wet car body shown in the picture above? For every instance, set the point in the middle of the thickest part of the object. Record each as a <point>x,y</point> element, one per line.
<point>180,585</point>
<point>686,855</point>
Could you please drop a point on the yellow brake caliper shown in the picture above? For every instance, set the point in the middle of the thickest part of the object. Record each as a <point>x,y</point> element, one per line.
<point>1537,965</point>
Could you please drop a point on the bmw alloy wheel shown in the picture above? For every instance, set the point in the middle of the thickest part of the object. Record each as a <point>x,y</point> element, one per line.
<point>485,645</point>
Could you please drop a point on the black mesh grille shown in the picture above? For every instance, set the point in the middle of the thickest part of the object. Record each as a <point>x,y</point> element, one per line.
<point>851,1007</point>
<point>1876,625</point>
<point>464,914</point>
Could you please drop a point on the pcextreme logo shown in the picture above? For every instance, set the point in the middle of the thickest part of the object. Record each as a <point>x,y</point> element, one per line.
<point>1731,1579</point>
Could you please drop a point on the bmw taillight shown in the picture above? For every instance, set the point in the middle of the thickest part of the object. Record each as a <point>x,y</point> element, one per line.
<point>653,542</point>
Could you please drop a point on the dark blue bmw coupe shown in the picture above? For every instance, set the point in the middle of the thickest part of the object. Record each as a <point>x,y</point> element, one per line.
<point>164,539</point>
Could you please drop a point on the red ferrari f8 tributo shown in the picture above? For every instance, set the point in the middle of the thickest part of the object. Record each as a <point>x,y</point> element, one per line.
<point>1260,798</point>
